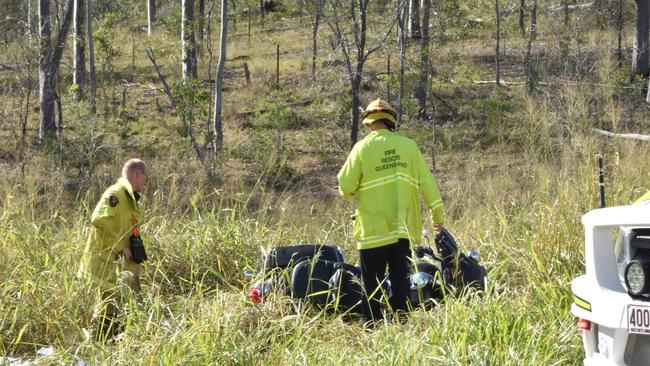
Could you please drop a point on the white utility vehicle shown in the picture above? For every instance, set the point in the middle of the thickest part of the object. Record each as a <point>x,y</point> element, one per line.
<point>612,299</point>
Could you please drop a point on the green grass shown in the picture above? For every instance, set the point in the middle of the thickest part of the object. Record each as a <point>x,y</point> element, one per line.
<point>193,308</point>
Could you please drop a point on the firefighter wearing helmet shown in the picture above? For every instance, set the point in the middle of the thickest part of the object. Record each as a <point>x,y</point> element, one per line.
<point>386,173</point>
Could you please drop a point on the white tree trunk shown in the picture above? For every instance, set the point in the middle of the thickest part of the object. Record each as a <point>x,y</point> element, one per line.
<point>424,60</point>
<point>522,8</point>
<point>530,80</point>
<point>314,35</point>
<point>91,57</point>
<point>78,49</point>
<point>497,51</point>
<point>151,16</point>
<point>218,79</point>
<point>30,22</point>
<point>619,30</point>
<point>188,41</point>
<point>402,57</point>
<point>46,124</point>
<point>640,58</point>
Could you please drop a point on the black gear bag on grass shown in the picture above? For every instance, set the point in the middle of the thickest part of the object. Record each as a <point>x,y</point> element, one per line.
<point>462,271</point>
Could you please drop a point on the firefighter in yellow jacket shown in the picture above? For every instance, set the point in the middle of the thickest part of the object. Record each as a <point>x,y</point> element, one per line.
<point>386,173</point>
<point>114,234</point>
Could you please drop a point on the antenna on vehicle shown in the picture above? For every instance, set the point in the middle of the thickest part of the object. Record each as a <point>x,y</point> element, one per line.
<point>601,180</point>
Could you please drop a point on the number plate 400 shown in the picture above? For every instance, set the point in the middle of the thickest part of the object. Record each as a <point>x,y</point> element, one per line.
<point>638,319</point>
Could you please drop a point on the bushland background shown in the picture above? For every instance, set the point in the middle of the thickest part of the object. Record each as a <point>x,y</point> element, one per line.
<point>515,163</point>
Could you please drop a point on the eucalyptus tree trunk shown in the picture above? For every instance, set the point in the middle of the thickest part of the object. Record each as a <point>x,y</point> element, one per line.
<point>30,22</point>
<point>619,29</point>
<point>47,126</point>
<point>218,80</point>
<point>92,80</point>
<point>414,23</point>
<point>78,47</point>
<point>318,6</point>
<point>151,16</point>
<point>362,55</point>
<point>188,40</point>
<point>404,17</point>
<point>530,80</point>
<point>522,26</point>
<point>48,66</point>
<point>533,19</point>
<point>640,51</point>
<point>498,61</point>
<point>424,60</point>
<point>201,22</point>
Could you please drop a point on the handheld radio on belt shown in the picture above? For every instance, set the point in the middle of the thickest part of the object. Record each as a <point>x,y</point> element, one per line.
<point>137,246</point>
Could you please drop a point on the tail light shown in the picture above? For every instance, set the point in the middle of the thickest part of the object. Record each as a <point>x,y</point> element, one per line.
<point>583,324</point>
<point>255,295</point>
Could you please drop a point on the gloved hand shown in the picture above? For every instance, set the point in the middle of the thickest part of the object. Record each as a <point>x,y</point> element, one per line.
<point>421,251</point>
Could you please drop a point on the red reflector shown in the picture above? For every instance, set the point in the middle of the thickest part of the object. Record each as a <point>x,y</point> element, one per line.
<point>255,295</point>
<point>583,324</point>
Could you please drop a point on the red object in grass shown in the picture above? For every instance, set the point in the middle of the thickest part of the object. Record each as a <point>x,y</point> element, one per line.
<point>583,324</point>
<point>255,295</point>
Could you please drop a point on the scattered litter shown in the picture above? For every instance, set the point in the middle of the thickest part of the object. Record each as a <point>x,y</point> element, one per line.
<point>10,361</point>
<point>42,352</point>
<point>46,351</point>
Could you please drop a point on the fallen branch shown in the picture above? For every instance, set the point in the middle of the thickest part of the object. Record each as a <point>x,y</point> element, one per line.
<point>302,102</point>
<point>166,89</point>
<point>510,10</point>
<point>9,19</point>
<point>556,8</point>
<point>451,109</point>
<point>9,67</point>
<point>569,82</point>
<point>632,136</point>
<point>273,30</point>
<point>501,82</point>
<point>269,30</point>
<point>143,87</point>
<point>172,102</point>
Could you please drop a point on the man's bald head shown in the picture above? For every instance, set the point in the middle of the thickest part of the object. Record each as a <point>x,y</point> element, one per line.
<point>135,171</point>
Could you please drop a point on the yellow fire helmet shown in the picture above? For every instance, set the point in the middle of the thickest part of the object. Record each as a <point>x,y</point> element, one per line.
<point>379,109</point>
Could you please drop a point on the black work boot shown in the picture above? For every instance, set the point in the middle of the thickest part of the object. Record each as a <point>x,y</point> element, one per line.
<point>107,329</point>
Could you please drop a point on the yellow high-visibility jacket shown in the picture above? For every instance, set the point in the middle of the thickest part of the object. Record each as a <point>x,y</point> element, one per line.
<point>113,221</point>
<point>386,173</point>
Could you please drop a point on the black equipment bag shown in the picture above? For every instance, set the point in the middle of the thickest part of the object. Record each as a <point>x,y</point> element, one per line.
<point>472,274</point>
<point>283,257</point>
<point>321,281</point>
<point>348,288</point>
<point>457,268</point>
<point>431,291</point>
